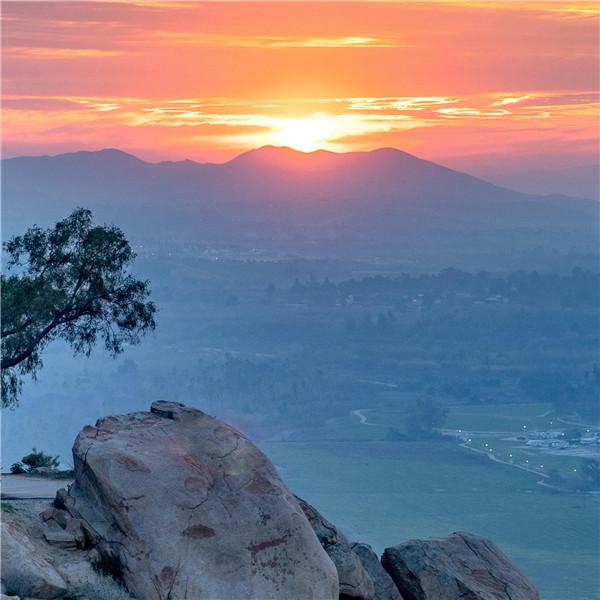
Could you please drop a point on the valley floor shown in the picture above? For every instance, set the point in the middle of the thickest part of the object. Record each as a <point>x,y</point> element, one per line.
<point>386,492</point>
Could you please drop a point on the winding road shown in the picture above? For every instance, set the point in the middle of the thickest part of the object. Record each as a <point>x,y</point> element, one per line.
<point>360,414</point>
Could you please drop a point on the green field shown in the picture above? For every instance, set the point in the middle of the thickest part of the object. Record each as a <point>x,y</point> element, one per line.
<point>386,492</point>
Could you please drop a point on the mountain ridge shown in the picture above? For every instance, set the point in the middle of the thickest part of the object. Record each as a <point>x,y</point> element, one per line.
<point>381,202</point>
<point>273,153</point>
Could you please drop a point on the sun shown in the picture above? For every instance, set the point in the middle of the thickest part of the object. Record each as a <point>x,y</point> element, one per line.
<point>304,133</point>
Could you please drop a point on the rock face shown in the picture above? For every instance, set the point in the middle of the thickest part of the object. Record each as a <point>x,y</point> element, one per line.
<point>181,505</point>
<point>25,572</point>
<point>354,581</point>
<point>461,565</point>
<point>385,588</point>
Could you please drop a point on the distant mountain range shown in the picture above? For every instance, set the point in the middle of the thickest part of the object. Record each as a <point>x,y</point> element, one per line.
<point>384,203</point>
<point>581,180</point>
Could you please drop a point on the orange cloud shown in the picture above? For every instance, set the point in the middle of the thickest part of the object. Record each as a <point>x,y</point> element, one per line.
<point>273,41</point>
<point>336,123</point>
<point>38,52</point>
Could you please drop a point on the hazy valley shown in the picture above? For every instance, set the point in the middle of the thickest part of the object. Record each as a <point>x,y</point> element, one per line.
<point>315,300</point>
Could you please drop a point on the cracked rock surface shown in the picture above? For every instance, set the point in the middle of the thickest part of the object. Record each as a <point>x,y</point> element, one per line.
<point>181,506</point>
<point>355,583</point>
<point>25,570</point>
<point>385,588</point>
<point>460,566</point>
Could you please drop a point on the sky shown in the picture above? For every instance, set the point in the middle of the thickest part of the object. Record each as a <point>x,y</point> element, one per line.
<point>506,85</point>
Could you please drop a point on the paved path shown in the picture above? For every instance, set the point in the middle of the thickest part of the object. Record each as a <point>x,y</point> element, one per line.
<point>24,487</point>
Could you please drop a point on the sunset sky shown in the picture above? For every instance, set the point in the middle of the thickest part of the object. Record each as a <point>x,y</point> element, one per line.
<point>486,82</point>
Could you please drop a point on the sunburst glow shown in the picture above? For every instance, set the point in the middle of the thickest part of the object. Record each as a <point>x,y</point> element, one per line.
<point>305,134</point>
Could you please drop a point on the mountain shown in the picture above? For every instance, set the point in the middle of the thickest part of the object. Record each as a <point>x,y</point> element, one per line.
<point>582,180</point>
<point>383,203</point>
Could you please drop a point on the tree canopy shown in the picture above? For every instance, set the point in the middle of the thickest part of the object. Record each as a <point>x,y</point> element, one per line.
<point>70,281</point>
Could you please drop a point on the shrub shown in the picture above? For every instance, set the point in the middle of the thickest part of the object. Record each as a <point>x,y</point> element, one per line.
<point>554,477</point>
<point>7,507</point>
<point>66,474</point>
<point>17,468</point>
<point>35,460</point>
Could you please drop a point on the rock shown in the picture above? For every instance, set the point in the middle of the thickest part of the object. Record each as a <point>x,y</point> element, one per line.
<point>385,588</point>
<point>54,514</point>
<point>48,541</point>
<point>72,528</point>
<point>24,571</point>
<point>182,505</point>
<point>100,587</point>
<point>461,565</point>
<point>94,557</point>
<point>354,580</point>
<point>60,538</point>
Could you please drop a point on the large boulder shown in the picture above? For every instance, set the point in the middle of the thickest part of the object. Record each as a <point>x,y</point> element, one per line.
<point>354,581</point>
<point>385,588</point>
<point>25,571</point>
<point>460,566</point>
<point>181,505</point>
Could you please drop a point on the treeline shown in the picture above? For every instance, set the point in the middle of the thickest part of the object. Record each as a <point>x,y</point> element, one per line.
<point>569,393</point>
<point>580,288</point>
<point>286,391</point>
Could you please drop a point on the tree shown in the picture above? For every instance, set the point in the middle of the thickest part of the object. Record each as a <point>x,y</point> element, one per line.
<point>590,474</point>
<point>71,282</point>
<point>423,417</point>
<point>38,459</point>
